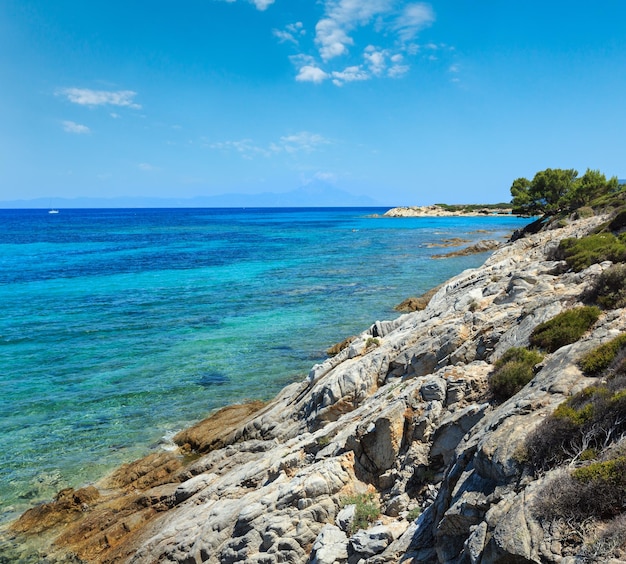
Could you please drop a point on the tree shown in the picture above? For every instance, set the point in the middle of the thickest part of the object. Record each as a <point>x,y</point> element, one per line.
<point>556,190</point>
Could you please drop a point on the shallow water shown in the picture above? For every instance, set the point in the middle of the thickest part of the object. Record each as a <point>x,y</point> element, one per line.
<point>120,327</point>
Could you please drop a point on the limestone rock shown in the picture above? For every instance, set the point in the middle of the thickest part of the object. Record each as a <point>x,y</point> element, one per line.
<point>330,547</point>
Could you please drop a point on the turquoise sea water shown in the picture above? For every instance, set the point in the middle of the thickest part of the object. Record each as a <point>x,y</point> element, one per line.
<point>120,327</point>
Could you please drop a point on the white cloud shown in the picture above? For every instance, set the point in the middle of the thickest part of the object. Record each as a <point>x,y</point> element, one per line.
<point>413,19</point>
<point>376,59</point>
<point>398,67</point>
<point>331,39</point>
<point>88,97</point>
<point>330,177</point>
<point>147,167</point>
<point>390,27</point>
<point>245,147</point>
<point>290,34</point>
<point>262,4</point>
<point>343,16</point>
<point>73,127</point>
<point>396,71</point>
<point>350,74</point>
<point>356,12</point>
<point>303,141</point>
<point>309,73</point>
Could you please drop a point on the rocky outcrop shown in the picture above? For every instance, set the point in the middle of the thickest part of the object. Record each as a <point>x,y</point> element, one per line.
<point>436,210</point>
<point>402,414</point>
<point>480,247</point>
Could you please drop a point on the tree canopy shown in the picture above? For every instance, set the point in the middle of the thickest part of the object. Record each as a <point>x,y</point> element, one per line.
<point>556,190</point>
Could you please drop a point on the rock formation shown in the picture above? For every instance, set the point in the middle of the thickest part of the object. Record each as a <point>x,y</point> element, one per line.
<point>400,419</point>
<point>444,211</point>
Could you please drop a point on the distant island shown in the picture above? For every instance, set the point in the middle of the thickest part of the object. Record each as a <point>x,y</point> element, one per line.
<point>445,210</point>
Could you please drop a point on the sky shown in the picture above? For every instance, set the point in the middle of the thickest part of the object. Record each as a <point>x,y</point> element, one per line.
<point>407,103</point>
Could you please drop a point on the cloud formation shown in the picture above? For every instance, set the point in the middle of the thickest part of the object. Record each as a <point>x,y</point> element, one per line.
<point>260,4</point>
<point>73,127</point>
<point>357,40</point>
<point>393,25</point>
<point>291,33</point>
<point>303,141</point>
<point>88,97</point>
<point>311,73</point>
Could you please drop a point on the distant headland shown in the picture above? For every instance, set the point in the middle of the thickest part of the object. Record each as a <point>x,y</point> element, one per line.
<point>446,210</point>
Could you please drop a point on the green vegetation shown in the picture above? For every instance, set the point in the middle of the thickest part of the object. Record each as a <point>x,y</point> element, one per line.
<point>372,342</point>
<point>597,490</point>
<point>602,357</point>
<point>366,511</point>
<point>609,288</point>
<point>590,420</point>
<point>582,253</point>
<point>513,371</point>
<point>585,212</point>
<point>553,191</point>
<point>476,208</point>
<point>610,471</point>
<point>565,328</point>
<point>324,441</point>
<point>414,513</point>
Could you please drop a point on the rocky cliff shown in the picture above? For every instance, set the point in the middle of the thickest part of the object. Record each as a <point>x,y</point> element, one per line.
<point>394,450</point>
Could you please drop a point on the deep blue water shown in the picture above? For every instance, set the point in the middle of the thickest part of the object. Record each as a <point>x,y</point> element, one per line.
<point>120,327</point>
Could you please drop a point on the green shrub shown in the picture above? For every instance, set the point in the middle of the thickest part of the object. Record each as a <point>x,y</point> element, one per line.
<point>366,511</point>
<point>565,328</point>
<point>609,289</point>
<point>592,249</point>
<point>613,199</point>
<point>576,416</point>
<point>414,513</point>
<point>612,470</point>
<point>589,420</point>
<point>618,223</point>
<point>601,357</point>
<point>513,371</point>
<point>372,342</point>
<point>597,490</point>
<point>585,212</point>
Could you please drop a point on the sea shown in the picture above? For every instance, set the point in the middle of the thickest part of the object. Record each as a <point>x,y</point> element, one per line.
<point>120,327</point>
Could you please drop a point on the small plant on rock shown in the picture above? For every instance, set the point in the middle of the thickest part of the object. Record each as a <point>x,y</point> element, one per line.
<point>414,513</point>
<point>366,510</point>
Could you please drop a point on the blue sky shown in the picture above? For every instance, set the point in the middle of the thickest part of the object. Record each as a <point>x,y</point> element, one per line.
<point>405,102</point>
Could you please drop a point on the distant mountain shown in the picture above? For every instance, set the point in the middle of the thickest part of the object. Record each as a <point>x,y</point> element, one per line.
<point>311,195</point>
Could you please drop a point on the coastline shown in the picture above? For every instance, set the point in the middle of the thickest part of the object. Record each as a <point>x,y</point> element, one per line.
<point>401,414</point>
<point>437,210</point>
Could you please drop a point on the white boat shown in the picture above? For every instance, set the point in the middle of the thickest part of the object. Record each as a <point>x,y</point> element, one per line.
<point>53,211</point>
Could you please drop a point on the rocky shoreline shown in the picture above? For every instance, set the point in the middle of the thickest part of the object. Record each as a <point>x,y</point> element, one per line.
<point>436,210</point>
<point>399,426</point>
